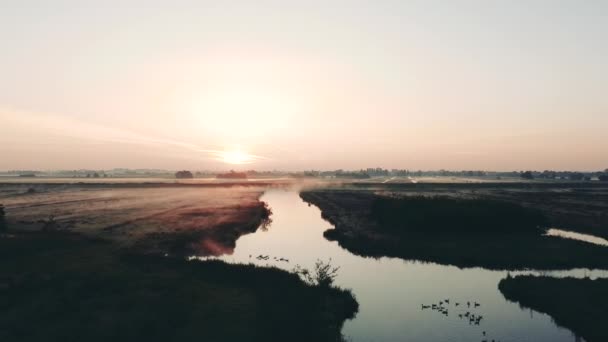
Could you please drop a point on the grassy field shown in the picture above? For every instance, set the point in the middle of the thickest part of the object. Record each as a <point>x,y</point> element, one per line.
<point>456,230</point>
<point>63,287</point>
<point>155,219</point>
<point>580,305</point>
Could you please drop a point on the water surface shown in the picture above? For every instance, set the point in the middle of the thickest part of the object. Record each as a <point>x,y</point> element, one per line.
<point>577,236</point>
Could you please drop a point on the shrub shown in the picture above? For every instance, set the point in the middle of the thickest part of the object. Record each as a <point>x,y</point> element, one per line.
<point>323,274</point>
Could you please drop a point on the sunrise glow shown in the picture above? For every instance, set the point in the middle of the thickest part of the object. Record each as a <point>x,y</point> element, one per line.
<point>236,157</point>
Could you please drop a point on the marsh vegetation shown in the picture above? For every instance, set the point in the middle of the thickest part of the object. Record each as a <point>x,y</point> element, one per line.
<point>460,231</point>
<point>577,304</point>
<point>444,215</point>
<point>61,286</point>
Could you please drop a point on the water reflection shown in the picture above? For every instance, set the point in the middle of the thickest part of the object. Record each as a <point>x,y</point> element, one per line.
<point>391,292</point>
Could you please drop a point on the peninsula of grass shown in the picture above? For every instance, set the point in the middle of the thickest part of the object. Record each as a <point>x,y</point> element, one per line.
<point>580,305</point>
<point>57,286</point>
<point>446,230</point>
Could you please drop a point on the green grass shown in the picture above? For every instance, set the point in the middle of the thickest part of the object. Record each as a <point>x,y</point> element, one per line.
<point>61,287</point>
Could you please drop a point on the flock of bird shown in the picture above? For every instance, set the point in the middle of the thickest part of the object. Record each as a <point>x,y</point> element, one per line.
<point>267,257</point>
<point>472,318</point>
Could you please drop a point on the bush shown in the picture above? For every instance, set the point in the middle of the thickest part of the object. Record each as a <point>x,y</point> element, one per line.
<point>323,274</point>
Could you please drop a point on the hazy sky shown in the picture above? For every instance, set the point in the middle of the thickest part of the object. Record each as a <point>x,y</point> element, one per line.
<point>499,85</point>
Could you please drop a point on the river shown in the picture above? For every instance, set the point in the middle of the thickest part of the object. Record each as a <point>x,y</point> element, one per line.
<point>391,291</point>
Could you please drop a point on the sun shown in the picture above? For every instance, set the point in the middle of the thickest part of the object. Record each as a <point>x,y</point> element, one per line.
<point>236,157</point>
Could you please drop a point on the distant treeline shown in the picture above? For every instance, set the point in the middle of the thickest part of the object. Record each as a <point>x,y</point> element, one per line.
<point>380,172</point>
<point>339,173</point>
<point>233,175</point>
<point>567,175</point>
<point>421,214</point>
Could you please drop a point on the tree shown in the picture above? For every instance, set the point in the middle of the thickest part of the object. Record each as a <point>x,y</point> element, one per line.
<point>576,176</point>
<point>604,177</point>
<point>527,175</point>
<point>183,174</point>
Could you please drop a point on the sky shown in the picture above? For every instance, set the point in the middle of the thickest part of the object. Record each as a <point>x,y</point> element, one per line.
<point>292,85</point>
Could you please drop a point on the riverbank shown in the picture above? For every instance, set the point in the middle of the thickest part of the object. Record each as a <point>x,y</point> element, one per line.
<point>63,286</point>
<point>359,229</point>
<point>577,304</point>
